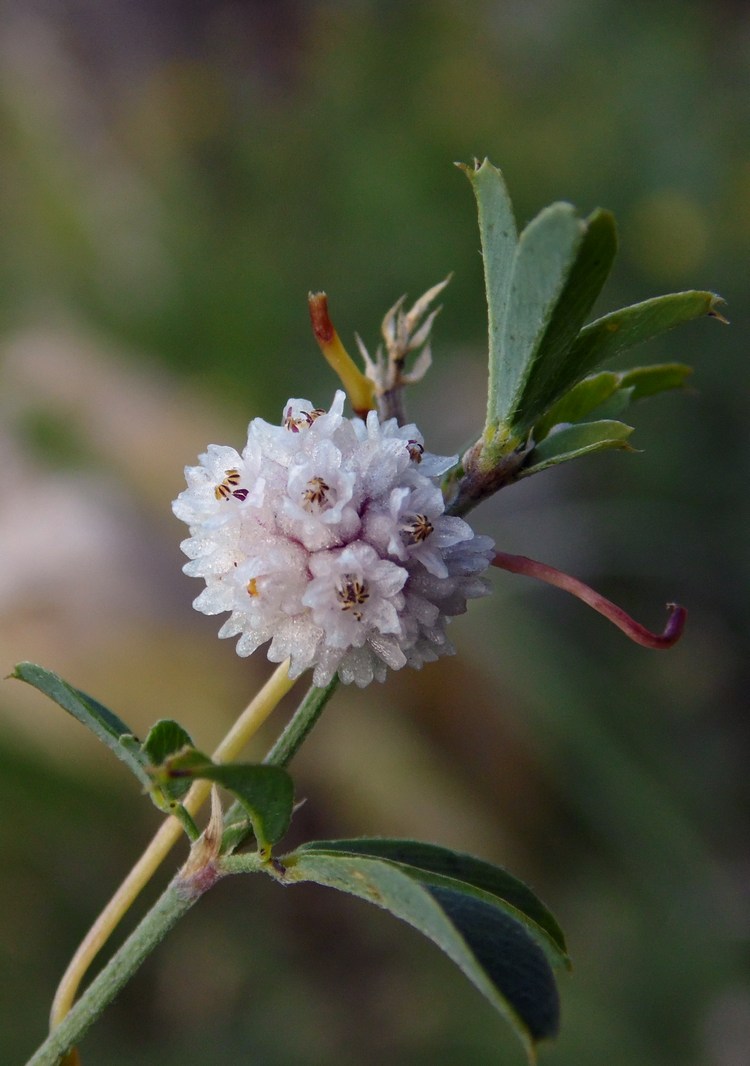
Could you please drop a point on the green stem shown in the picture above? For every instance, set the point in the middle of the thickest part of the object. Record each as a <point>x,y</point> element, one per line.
<point>176,900</point>
<point>300,724</point>
<point>186,821</point>
<point>238,829</point>
<point>169,908</point>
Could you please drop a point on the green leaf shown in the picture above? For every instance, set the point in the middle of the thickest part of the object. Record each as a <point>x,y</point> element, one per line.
<point>560,267</point>
<point>650,380</point>
<point>497,231</point>
<point>102,722</point>
<point>165,739</point>
<point>266,792</point>
<point>578,402</point>
<point>540,289</point>
<point>608,394</point>
<point>488,942</point>
<point>613,407</point>
<point>571,442</point>
<point>438,865</point>
<point>510,959</point>
<point>624,329</point>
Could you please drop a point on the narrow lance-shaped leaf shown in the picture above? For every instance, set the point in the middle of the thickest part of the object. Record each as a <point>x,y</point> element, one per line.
<point>578,402</point>
<point>560,267</point>
<point>624,329</point>
<point>649,380</point>
<point>573,442</point>
<point>608,393</point>
<point>497,231</point>
<point>266,792</point>
<point>450,867</point>
<point>491,945</point>
<point>102,722</point>
<point>612,407</point>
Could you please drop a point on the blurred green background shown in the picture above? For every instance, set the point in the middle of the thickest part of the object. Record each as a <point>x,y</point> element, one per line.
<point>175,177</point>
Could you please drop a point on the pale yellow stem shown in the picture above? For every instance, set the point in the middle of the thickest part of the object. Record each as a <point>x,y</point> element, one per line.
<point>170,832</point>
<point>359,388</point>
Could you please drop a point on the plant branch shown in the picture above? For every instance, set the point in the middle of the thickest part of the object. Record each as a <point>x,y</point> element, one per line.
<point>237,827</point>
<point>167,836</point>
<point>74,1019</point>
<point>300,724</point>
<point>171,906</point>
<point>520,564</point>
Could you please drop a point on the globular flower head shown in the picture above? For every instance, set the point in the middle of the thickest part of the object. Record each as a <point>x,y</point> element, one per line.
<point>327,537</point>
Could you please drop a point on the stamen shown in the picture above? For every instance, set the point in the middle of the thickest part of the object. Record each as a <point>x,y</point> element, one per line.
<point>415,450</point>
<point>294,423</point>
<point>316,493</point>
<point>352,593</point>
<point>224,490</point>
<point>252,587</point>
<point>520,564</point>
<point>418,528</point>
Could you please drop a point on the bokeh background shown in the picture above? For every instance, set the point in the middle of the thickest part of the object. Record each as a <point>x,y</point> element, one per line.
<point>175,177</point>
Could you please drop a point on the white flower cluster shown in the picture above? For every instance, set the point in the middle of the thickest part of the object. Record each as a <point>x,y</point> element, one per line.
<point>328,537</point>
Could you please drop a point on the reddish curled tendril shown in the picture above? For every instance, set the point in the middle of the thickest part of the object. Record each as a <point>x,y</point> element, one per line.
<point>520,564</point>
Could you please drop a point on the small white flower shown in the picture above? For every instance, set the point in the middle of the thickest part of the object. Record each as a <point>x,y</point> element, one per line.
<point>318,508</point>
<point>355,594</point>
<point>328,538</point>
